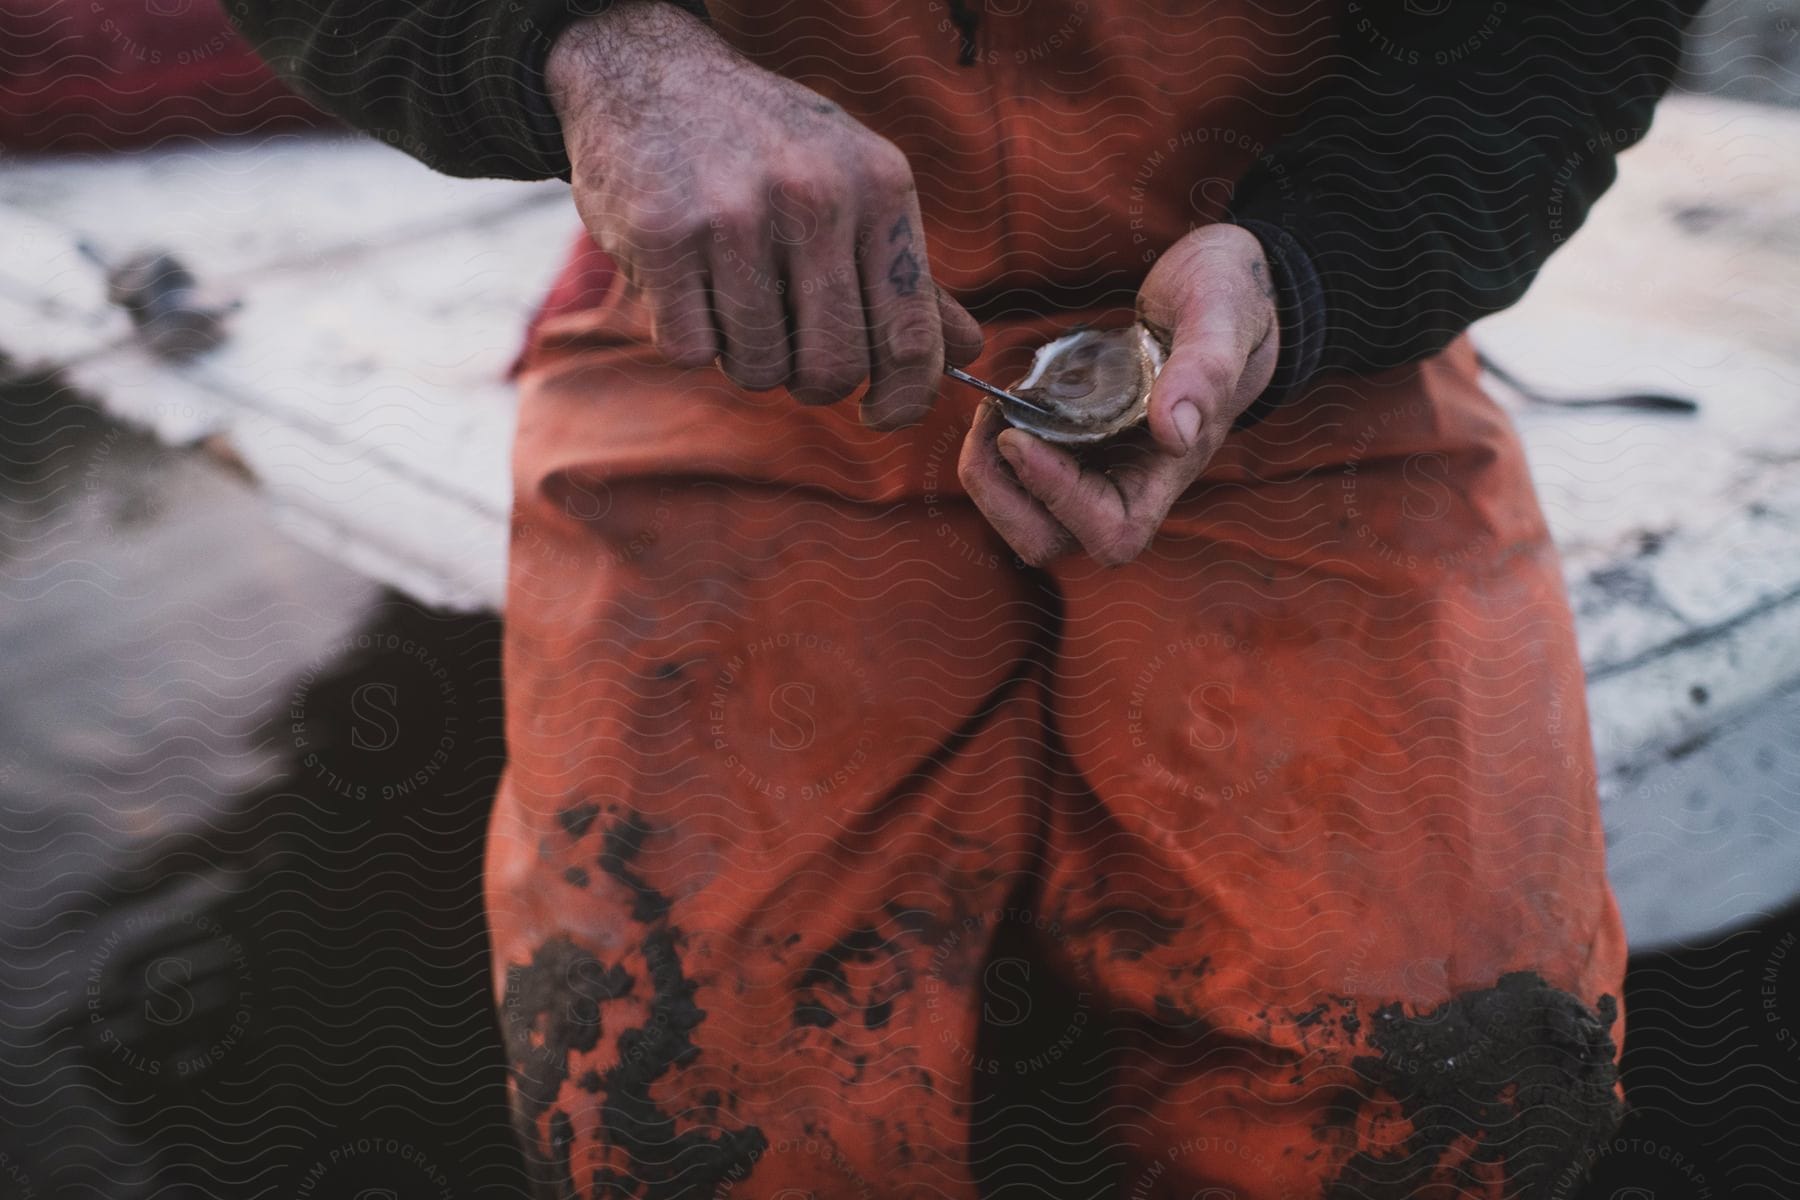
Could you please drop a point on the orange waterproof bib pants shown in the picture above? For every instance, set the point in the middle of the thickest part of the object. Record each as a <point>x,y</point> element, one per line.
<point>840,856</point>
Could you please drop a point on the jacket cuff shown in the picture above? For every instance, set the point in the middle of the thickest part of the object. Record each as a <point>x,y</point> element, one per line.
<point>1300,310</point>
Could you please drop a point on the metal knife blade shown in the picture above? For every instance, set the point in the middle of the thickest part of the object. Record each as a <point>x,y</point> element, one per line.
<point>996,392</point>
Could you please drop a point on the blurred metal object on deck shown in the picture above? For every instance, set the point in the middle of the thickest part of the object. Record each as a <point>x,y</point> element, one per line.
<point>164,302</point>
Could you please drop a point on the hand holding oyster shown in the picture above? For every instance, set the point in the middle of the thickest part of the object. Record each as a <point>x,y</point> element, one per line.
<point>1206,347</point>
<point>1088,386</point>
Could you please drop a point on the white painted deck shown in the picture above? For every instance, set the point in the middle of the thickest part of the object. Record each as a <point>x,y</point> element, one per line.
<point>362,385</point>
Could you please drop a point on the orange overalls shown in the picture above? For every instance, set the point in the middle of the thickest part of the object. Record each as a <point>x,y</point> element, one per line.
<point>840,855</point>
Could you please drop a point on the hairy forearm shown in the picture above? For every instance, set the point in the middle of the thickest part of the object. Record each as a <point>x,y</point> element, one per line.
<point>600,69</point>
<point>459,85</point>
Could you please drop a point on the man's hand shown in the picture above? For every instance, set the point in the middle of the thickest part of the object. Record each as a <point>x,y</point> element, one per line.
<point>1212,291</point>
<point>766,228</point>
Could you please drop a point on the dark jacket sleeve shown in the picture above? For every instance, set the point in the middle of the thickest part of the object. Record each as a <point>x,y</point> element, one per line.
<point>457,84</point>
<point>1454,146</point>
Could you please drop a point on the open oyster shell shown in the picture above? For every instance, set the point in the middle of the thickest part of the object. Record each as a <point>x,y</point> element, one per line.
<point>1093,384</point>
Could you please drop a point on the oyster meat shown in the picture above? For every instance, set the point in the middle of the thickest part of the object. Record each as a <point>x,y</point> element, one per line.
<point>1091,385</point>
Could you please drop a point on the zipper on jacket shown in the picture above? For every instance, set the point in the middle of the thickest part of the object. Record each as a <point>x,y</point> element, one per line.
<point>967,20</point>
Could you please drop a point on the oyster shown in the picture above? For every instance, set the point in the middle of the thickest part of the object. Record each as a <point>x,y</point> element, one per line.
<point>1091,384</point>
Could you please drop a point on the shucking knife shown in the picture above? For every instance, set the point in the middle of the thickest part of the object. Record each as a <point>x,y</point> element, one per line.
<point>997,393</point>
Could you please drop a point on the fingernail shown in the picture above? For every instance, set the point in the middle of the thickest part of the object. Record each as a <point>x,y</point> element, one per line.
<point>1187,423</point>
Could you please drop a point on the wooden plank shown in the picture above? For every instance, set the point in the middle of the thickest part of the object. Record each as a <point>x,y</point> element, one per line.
<point>363,381</point>
<point>238,209</point>
<point>53,305</point>
<point>1680,535</point>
